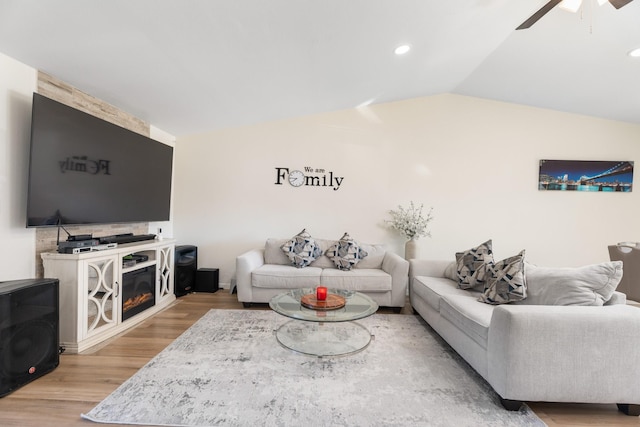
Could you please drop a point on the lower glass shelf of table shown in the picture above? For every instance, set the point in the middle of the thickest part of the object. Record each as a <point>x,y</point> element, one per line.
<point>323,333</point>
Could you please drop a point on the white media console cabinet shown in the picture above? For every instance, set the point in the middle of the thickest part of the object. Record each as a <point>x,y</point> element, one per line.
<point>103,293</point>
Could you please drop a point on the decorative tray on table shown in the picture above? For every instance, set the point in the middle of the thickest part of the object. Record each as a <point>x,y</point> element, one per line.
<point>332,302</point>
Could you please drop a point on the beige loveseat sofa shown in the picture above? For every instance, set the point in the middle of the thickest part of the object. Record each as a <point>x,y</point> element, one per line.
<point>262,273</point>
<point>552,353</point>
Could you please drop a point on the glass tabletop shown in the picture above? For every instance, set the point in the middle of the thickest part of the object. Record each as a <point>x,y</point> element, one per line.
<point>357,306</point>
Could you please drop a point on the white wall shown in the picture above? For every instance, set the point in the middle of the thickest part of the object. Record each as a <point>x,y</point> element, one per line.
<point>163,228</point>
<point>17,243</point>
<point>475,161</point>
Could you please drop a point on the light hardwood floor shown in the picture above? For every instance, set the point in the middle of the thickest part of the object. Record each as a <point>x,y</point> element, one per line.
<point>81,381</point>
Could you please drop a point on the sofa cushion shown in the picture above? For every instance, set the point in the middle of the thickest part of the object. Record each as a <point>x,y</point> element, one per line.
<point>470,316</point>
<point>451,272</point>
<point>273,253</point>
<point>588,285</point>
<point>472,266</point>
<point>376,253</point>
<point>617,298</point>
<point>274,276</point>
<point>506,282</point>
<point>301,249</point>
<point>431,289</point>
<point>324,261</point>
<point>361,279</point>
<point>345,253</point>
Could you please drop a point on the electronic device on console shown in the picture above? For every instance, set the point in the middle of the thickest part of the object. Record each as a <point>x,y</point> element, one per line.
<point>78,237</point>
<point>132,259</point>
<point>126,238</point>
<point>139,257</point>
<point>71,250</point>
<point>82,246</point>
<point>64,249</point>
<point>75,244</point>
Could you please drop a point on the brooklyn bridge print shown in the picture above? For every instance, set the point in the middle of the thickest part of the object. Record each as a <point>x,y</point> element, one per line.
<point>586,175</point>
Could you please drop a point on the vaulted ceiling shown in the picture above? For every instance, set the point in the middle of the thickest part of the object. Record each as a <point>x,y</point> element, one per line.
<point>190,66</point>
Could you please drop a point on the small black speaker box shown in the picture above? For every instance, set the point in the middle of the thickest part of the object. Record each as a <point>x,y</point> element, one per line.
<point>185,267</point>
<point>207,280</point>
<point>29,333</point>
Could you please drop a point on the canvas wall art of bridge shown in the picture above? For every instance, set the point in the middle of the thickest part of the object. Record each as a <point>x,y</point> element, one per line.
<point>586,175</point>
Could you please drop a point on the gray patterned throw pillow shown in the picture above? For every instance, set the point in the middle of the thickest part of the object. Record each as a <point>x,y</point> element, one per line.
<point>472,266</point>
<point>346,253</point>
<point>506,281</point>
<point>301,249</point>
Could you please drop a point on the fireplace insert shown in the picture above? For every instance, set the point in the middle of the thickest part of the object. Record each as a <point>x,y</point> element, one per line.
<point>138,291</point>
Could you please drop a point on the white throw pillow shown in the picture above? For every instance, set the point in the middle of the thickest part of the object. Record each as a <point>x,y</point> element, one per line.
<point>588,285</point>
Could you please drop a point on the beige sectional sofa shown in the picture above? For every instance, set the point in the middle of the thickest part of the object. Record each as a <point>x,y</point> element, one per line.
<point>262,273</point>
<point>531,352</point>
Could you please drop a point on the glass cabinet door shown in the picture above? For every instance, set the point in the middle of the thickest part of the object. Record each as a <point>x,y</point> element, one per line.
<point>102,293</point>
<point>164,272</point>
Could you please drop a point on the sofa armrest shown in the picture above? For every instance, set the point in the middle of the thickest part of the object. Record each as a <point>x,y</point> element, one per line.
<point>565,353</point>
<point>398,268</point>
<point>428,267</point>
<point>245,264</point>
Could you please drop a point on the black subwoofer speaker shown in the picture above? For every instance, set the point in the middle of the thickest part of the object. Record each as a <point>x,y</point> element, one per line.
<point>29,348</point>
<point>185,265</point>
<point>207,280</point>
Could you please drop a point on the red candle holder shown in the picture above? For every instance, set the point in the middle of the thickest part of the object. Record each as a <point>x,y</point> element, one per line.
<point>321,293</point>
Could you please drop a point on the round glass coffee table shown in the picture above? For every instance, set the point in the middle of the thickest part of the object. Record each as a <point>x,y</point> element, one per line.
<point>323,332</point>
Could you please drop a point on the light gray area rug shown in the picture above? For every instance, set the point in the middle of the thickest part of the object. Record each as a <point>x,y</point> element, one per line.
<point>229,370</point>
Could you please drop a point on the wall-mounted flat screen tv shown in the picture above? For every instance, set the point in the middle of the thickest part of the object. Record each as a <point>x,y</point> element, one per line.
<point>84,170</point>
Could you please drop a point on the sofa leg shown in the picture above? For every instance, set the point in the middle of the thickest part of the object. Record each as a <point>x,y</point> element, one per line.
<point>629,409</point>
<point>246,304</point>
<point>413,310</point>
<point>511,405</point>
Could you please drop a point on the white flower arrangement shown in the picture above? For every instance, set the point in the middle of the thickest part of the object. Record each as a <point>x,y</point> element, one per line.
<point>411,222</point>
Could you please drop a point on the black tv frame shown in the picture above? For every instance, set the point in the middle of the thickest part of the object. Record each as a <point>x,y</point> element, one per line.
<point>84,170</point>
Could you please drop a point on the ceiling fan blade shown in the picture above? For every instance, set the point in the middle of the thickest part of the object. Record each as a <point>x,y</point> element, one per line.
<point>619,3</point>
<point>540,13</point>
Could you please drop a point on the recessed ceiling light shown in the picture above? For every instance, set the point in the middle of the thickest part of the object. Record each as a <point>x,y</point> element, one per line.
<point>635,53</point>
<point>402,49</point>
